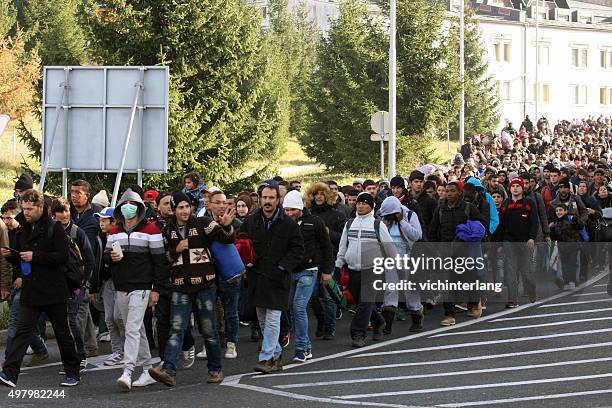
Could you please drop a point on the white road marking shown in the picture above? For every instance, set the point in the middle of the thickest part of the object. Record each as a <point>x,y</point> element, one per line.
<point>434,362</point>
<point>472,387</point>
<point>600,285</point>
<point>530,326</point>
<point>582,302</point>
<point>483,343</point>
<point>446,374</point>
<point>591,294</point>
<point>534,398</point>
<point>506,319</point>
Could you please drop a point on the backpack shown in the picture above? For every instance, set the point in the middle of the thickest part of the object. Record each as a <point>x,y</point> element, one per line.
<point>74,269</point>
<point>376,227</point>
<point>244,245</point>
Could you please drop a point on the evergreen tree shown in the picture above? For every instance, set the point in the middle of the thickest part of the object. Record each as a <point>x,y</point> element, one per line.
<point>223,113</point>
<point>8,17</point>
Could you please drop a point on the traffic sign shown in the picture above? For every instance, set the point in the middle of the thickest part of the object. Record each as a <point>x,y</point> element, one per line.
<point>380,122</point>
<point>377,138</point>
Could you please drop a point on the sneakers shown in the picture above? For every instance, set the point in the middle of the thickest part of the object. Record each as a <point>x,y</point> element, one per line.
<point>475,311</point>
<point>83,365</point>
<point>284,340</point>
<point>92,353</point>
<point>569,286</point>
<point>202,354</point>
<point>115,359</point>
<point>512,305</point>
<point>358,341</point>
<point>244,324</point>
<point>231,350</point>
<point>308,354</point>
<point>125,381</point>
<point>417,321</point>
<point>4,380</point>
<point>338,314</point>
<point>158,374</point>
<point>277,365</point>
<point>400,315</point>
<point>448,321</point>
<point>215,377</point>
<point>461,306</point>
<point>104,337</point>
<point>69,382</point>
<point>300,357</point>
<point>328,334</point>
<point>377,332</point>
<point>188,357</point>
<point>37,359</point>
<point>388,313</point>
<point>144,380</point>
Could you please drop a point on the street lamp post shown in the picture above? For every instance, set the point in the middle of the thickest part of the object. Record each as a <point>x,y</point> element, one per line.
<point>392,89</point>
<point>462,71</point>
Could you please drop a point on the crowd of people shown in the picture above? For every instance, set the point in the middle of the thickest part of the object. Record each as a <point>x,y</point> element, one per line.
<point>161,266</point>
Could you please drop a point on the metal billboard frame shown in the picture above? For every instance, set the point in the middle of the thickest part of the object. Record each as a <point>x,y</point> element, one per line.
<point>105,103</point>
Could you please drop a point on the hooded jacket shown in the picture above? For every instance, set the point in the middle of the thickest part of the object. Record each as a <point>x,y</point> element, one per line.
<point>143,265</point>
<point>318,249</point>
<point>409,226</point>
<point>493,215</point>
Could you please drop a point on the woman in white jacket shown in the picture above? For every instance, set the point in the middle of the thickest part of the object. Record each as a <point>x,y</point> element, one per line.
<point>405,229</point>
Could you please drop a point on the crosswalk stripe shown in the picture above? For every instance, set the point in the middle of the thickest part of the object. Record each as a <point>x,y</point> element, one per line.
<point>590,294</point>
<point>445,374</point>
<point>472,387</point>
<point>520,399</point>
<point>530,326</point>
<point>581,302</point>
<point>435,362</point>
<point>537,316</point>
<point>482,343</point>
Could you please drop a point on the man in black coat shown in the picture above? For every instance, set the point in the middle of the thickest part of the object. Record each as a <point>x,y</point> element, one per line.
<point>279,248</point>
<point>419,201</point>
<point>41,257</point>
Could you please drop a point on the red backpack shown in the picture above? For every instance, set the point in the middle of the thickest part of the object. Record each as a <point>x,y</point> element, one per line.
<point>244,244</point>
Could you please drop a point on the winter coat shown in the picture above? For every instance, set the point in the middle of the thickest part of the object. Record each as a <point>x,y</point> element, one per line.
<point>334,219</point>
<point>46,284</point>
<point>519,220</point>
<point>424,206</point>
<point>574,204</point>
<point>445,220</point>
<point>567,229</point>
<point>143,266</point>
<point>493,216</point>
<point>6,270</point>
<point>544,229</point>
<point>318,249</point>
<point>279,248</point>
<point>88,222</point>
<point>409,226</point>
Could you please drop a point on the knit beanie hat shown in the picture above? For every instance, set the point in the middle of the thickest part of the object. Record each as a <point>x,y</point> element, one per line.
<point>177,197</point>
<point>398,181</point>
<point>457,183</point>
<point>293,199</point>
<point>519,181</point>
<point>101,199</point>
<point>24,182</point>
<point>367,198</point>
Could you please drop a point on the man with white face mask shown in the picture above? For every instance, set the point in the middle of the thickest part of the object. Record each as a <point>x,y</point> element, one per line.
<point>135,253</point>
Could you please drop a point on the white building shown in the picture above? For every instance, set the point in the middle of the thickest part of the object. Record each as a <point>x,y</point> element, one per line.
<point>575,56</point>
<point>322,12</point>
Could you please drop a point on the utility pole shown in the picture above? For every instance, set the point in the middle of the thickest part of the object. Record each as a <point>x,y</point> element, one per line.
<point>392,89</point>
<point>462,71</point>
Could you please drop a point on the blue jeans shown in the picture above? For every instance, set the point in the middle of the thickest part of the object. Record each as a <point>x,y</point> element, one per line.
<point>230,297</point>
<point>180,312</point>
<point>269,321</point>
<point>37,344</point>
<point>302,286</point>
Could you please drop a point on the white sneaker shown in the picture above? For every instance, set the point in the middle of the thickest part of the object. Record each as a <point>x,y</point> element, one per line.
<point>231,350</point>
<point>105,338</point>
<point>125,381</point>
<point>188,357</point>
<point>202,354</point>
<point>114,359</point>
<point>144,380</point>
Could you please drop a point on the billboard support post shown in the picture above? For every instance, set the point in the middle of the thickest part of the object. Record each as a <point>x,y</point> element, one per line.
<point>58,112</point>
<point>139,86</point>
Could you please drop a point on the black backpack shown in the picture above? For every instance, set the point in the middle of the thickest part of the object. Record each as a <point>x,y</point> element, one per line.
<point>74,269</point>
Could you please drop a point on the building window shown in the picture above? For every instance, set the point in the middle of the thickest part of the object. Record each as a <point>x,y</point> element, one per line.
<point>506,91</point>
<point>603,95</point>
<point>544,54</point>
<point>580,57</point>
<point>605,58</point>
<point>503,51</point>
<point>580,94</point>
<point>543,94</point>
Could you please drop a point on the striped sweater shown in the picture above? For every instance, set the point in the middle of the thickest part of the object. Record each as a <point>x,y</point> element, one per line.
<point>143,265</point>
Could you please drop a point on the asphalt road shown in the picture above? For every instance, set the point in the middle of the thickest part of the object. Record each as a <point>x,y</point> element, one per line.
<point>554,353</point>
